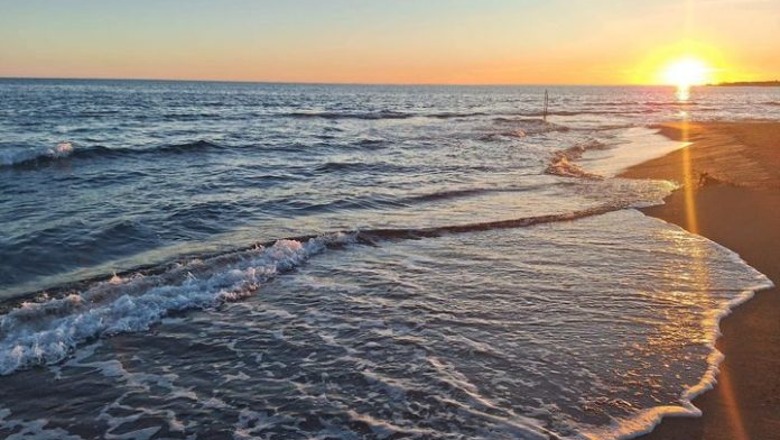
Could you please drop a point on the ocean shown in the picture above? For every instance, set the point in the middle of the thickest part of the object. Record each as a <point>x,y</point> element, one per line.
<point>237,260</point>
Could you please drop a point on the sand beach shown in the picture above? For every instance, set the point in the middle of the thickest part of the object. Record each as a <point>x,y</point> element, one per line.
<point>730,179</point>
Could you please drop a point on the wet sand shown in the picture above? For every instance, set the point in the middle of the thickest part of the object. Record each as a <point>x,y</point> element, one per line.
<point>731,194</point>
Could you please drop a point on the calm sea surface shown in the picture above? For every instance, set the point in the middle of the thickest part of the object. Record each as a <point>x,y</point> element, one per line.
<point>219,260</point>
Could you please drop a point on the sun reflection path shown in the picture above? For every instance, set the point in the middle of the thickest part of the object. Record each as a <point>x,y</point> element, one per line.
<point>683,93</point>
<point>689,183</point>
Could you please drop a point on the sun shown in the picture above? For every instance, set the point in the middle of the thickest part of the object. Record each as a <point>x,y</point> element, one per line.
<point>686,72</point>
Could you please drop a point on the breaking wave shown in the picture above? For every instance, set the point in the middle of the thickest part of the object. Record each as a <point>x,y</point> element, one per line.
<point>562,162</point>
<point>11,157</point>
<point>40,157</point>
<point>46,328</point>
<point>46,331</point>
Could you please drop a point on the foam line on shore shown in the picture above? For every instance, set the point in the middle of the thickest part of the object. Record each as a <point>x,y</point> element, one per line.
<point>638,145</point>
<point>723,138</point>
<point>647,420</point>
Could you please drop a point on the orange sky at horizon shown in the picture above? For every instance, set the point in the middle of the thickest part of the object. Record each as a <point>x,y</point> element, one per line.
<point>430,41</point>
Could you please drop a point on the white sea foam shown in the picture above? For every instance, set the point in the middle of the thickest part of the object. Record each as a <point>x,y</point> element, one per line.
<point>9,157</point>
<point>646,420</point>
<point>596,163</point>
<point>46,332</point>
<point>562,163</point>
<point>639,144</point>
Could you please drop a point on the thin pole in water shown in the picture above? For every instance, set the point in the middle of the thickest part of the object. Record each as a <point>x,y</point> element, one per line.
<point>546,101</point>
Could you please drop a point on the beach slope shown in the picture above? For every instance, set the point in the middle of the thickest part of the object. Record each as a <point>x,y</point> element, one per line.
<point>731,194</point>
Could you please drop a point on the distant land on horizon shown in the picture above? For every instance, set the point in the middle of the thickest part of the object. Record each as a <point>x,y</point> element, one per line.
<point>774,83</point>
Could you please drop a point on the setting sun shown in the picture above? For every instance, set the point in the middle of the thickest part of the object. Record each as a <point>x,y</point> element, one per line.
<point>686,72</point>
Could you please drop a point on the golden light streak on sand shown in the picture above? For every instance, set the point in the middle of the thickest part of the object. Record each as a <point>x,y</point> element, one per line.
<point>743,217</point>
<point>690,186</point>
<point>732,406</point>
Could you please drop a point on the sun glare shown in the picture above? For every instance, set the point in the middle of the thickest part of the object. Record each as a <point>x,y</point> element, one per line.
<point>686,72</point>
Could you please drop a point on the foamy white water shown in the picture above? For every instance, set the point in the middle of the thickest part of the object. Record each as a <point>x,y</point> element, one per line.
<point>638,145</point>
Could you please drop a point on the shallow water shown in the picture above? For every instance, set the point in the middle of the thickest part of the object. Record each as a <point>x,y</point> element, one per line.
<point>452,276</point>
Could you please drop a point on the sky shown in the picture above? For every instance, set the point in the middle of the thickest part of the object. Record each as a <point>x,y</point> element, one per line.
<point>388,41</point>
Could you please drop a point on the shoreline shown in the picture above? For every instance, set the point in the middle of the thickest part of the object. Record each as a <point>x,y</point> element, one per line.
<point>730,194</point>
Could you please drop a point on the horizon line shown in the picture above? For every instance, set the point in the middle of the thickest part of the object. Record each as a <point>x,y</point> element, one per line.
<point>318,83</point>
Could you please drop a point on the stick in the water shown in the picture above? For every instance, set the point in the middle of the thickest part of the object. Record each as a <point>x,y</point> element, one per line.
<point>546,100</point>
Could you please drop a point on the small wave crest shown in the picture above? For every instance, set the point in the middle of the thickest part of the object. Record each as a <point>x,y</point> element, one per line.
<point>47,331</point>
<point>521,127</point>
<point>189,147</point>
<point>562,166</point>
<point>13,157</point>
<point>562,162</point>
<point>381,114</point>
<point>384,114</point>
<point>377,167</point>
<point>31,158</point>
<point>374,235</point>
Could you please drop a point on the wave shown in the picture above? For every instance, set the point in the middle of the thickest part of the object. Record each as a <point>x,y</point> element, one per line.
<point>517,134</point>
<point>451,194</point>
<point>587,111</point>
<point>608,127</point>
<point>381,202</point>
<point>514,120</point>
<point>380,167</point>
<point>188,117</point>
<point>13,157</point>
<point>190,147</point>
<point>31,158</point>
<point>388,168</point>
<point>351,203</point>
<point>382,114</point>
<point>528,115</point>
<point>562,166</point>
<point>561,163</point>
<point>46,327</point>
<point>673,103</point>
<point>373,236</point>
<point>455,115</point>
<point>39,333</point>
<point>371,144</point>
<point>520,127</point>
<point>375,201</point>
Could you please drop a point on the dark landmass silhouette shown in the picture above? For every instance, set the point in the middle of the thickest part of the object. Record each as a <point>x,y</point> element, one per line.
<point>774,83</point>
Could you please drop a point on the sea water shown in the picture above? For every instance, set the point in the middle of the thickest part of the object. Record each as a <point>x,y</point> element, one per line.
<point>217,260</point>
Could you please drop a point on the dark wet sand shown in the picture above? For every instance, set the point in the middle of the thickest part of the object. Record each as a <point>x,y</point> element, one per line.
<point>737,206</point>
